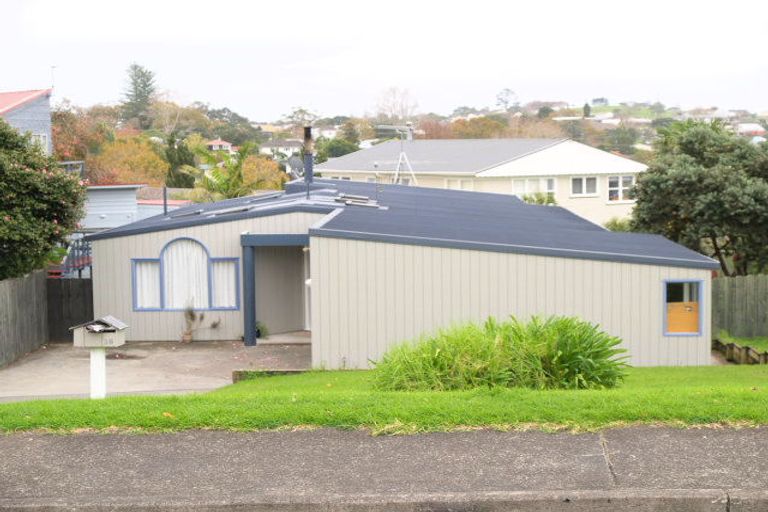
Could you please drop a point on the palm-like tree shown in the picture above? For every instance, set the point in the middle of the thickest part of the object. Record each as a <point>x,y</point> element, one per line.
<point>224,178</point>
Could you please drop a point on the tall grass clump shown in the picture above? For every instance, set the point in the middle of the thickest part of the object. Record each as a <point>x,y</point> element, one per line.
<point>556,352</point>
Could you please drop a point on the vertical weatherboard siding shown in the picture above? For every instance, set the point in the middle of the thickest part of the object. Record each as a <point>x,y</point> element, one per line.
<point>367,296</point>
<point>112,289</point>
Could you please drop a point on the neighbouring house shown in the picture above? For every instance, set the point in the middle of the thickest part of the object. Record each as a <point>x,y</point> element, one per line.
<point>592,183</point>
<point>751,129</point>
<point>364,266</point>
<point>29,112</point>
<point>281,149</point>
<point>220,145</point>
<point>109,206</point>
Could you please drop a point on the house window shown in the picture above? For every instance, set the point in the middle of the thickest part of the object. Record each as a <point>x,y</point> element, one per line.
<point>521,187</point>
<point>346,178</point>
<point>682,314</point>
<point>185,276</point>
<point>620,188</point>
<point>457,184</point>
<point>584,186</point>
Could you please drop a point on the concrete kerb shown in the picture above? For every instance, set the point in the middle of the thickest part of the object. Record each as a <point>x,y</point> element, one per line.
<point>636,500</point>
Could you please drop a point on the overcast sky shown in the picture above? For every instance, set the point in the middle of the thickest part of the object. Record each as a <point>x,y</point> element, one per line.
<point>335,57</point>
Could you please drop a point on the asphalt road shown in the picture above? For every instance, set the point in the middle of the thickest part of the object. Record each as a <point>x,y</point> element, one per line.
<point>642,468</point>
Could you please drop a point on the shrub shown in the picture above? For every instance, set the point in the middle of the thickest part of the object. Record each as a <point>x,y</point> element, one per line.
<point>619,225</point>
<point>557,352</point>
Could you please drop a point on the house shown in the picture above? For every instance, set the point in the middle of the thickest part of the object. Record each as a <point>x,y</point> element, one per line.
<point>109,206</point>
<point>220,145</point>
<point>588,181</point>
<point>750,129</point>
<point>281,148</point>
<point>364,266</point>
<point>29,112</point>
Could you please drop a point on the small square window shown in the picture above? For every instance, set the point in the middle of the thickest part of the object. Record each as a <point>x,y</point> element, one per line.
<point>584,186</point>
<point>577,186</point>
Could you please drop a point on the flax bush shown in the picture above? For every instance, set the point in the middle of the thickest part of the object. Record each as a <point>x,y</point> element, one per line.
<point>556,352</point>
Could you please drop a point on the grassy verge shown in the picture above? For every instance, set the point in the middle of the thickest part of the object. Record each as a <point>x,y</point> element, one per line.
<point>759,343</point>
<point>680,396</point>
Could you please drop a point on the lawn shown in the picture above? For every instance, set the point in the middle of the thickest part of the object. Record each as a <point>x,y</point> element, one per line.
<point>759,343</point>
<point>736,395</point>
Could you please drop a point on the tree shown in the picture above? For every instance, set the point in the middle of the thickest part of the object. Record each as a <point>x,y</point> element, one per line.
<point>349,133</point>
<point>586,110</point>
<point>300,117</point>
<point>332,148</point>
<point>229,176</point>
<point>544,112</point>
<point>179,158</point>
<point>507,100</point>
<point>622,139</point>
<point>139,95</point>
<point>708,190</point>
<point>396,105</point>
<point>40,204</point>
<point>127,160</point>
<point>78,132</point>
<point>478,128</point>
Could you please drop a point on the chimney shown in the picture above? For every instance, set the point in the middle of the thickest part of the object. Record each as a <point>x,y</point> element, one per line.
<point>308,157</point>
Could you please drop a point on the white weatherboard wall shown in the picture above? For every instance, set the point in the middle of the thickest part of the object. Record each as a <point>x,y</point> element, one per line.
<point>367,296</point>
<point>112,293</point>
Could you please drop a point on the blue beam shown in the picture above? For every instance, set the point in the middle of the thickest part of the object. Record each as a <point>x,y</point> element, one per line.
<point>249,296</point>
<point>274,240</point>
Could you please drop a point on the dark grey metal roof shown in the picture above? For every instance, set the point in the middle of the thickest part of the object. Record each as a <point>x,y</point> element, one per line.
<point>461,156</point>
<point>438,218</point>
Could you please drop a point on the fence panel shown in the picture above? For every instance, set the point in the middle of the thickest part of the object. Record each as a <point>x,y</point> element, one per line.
<point>23,316</point>
<point>740,305</point>
<point>70,302</point>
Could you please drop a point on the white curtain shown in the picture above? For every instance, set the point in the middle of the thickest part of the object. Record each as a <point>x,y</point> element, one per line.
<point>185,275</point>
<point>224,284</point>
<point>147,284</point>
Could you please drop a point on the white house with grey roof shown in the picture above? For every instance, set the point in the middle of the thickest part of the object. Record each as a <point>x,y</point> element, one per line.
<point>592,183</point>
<point>364,266</point>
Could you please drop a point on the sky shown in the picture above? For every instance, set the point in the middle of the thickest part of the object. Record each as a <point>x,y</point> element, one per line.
<point>262,59</point>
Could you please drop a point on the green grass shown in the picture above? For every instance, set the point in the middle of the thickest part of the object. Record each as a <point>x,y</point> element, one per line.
<point>759,343</point>
<point>736,395</point>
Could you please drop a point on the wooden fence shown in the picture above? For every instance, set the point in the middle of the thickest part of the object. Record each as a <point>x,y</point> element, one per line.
<point>740,305</point>
<point>70,302</point>
<point>23,316</point>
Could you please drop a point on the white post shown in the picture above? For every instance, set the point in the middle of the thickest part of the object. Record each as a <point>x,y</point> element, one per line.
<point>98,372</point>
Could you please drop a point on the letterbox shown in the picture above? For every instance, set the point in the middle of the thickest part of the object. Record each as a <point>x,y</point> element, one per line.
<point>105,332</point>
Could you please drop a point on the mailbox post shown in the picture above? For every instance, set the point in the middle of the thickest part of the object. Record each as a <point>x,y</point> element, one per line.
<point>98,335</point>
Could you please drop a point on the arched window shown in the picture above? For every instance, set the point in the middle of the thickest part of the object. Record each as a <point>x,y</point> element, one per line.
<point>185,275</point>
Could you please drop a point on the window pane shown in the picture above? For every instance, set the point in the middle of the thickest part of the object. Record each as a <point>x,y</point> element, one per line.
<point>613,182</point>
<point>613,194</point>
<point>185,275</point>
<point>224,281</point>
<point>577,186</point>
<point>591,185</point>
<point>627,194</point>
<point>682,308</point>
<point>147,283</point>
<point>627,181</point>
<point>551,185</point>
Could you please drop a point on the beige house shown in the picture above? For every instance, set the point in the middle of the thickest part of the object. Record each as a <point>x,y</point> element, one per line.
<point>592,183</point>
<point>363,266</point>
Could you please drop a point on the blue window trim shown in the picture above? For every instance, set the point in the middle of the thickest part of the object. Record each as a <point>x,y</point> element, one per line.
<point>700,283</point>
<point>209,266</point>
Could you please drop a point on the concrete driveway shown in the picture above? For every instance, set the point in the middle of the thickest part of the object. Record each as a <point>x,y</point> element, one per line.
<point>60,370</point>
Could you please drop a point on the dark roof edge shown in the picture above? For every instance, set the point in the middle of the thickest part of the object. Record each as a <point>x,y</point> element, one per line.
<point>139,230</point>
<point>517,249</point>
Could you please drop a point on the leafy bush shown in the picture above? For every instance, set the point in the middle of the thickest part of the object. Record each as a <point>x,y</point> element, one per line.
<point>556,352</point>
<point>619,225</point>
<point>40,204</point>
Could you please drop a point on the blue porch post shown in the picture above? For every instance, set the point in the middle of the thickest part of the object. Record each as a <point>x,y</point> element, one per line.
<point>249,296</point>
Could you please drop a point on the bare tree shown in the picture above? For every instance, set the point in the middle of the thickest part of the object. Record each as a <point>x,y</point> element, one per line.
<point>396,105</point>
